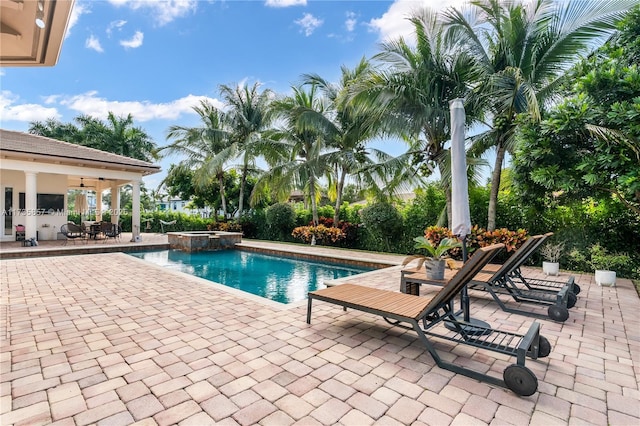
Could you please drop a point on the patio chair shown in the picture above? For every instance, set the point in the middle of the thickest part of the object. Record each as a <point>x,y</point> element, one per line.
<point>497,280</point>
<point>111,230</point>
<point>72,232</point>
<point>400,309</point>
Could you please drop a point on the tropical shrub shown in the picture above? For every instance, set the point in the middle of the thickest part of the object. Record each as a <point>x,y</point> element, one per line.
<point>349,230</point>
<point>280,220</point>
<point>351,213</point>
<point>597,257</point>
<point>383,226</point>
<point>322,234</point>
<point>424,211</point>
<point>479,237</point>
<point>225,226</point>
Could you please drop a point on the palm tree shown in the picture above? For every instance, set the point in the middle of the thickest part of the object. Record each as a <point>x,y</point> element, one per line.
<point>52,128</point>
<point>305,145</point>
<point>347,127</point>
<point>118,136</point>
<point>248,118</point>
<point>522,52</point>
<point>202,148</point>
<point>415,86</point>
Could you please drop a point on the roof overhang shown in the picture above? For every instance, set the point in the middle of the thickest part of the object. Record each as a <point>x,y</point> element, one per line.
<point>25,43</point>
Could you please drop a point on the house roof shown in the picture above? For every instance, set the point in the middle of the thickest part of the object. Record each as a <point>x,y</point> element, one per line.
<point>31,32</point>
<point>19,145</point>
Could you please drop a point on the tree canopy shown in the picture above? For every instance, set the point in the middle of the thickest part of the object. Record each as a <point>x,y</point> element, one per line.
<point>589,144</point>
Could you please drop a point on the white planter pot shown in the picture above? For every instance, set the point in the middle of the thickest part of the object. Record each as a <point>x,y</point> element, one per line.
<point>606,278</point>
<point>551,268</point>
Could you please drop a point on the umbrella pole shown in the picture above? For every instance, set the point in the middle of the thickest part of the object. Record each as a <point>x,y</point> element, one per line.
<point>471,326</point>
<point>464,296</point>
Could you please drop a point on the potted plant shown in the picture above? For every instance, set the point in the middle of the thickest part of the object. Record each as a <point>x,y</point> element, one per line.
<point>604,263</point>
<point>552,253</point>
<point>434,261</point>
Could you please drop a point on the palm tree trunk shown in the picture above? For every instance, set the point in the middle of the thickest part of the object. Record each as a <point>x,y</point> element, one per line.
<point>312,196</point>
<point>495,187</point>
<point>336,214</point>
<point>447,191</point>
<point>243,181</point>
<point>223,200</point>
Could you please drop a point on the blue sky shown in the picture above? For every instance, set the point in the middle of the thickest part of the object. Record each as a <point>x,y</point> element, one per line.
<point>158,59</point>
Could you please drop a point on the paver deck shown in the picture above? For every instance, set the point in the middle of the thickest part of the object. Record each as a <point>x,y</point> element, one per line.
<point>108,339</point>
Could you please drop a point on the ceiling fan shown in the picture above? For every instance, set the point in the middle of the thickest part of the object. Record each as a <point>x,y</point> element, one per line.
<point>82,185</point>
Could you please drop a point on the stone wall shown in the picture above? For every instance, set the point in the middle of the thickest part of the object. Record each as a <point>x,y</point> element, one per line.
<point>203,241</point>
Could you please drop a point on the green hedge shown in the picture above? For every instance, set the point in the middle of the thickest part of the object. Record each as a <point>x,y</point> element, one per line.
<point>385,227</point>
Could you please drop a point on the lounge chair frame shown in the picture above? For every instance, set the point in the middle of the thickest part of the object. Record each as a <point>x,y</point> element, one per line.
<point>537,283</point>
<point>400,309</point>
<point>558,298</point>
<point>497,280</point>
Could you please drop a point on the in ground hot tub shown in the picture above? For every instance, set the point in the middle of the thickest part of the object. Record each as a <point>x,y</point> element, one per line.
<point>203,240</point>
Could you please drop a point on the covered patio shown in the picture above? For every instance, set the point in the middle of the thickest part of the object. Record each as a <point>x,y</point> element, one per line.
<point>36,174</point>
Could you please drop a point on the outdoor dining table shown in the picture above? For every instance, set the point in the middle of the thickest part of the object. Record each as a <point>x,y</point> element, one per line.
<point>93,230</point>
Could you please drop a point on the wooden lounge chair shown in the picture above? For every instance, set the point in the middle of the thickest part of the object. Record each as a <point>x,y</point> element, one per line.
<point>499,280</point>
<point>401,309</point>
<point>517,277</point>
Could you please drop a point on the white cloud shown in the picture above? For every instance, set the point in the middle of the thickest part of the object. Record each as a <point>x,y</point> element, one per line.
<point>393,23</point>
<point>115,25</point>
<point>23,112</point>
<point>134,42</point>
<point>93,43</point>
<point>309,23</point>
<point>285,3</point>
<point>91,104</point>
<point>78,10</point>
<point>162,11</point>
<point>351,21</point>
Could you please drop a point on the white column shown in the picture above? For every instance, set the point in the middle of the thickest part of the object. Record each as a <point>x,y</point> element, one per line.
<point>115,203</point>
<point>98,202</point>
<point>135,210</point>
<point>30,204</point>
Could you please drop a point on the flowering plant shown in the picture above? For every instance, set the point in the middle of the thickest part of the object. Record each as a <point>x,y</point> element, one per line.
<point>320,232</point>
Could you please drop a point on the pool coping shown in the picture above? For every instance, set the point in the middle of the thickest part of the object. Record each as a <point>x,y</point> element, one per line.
<point>298,253</point>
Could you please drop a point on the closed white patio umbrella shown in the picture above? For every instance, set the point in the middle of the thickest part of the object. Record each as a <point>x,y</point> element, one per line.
<point>81,204</point>
<point>461,217</point>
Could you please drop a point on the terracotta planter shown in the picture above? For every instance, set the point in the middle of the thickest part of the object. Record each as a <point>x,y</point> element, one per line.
<point>435,269</point>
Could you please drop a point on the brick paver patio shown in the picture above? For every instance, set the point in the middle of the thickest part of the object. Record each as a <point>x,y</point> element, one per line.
<point>107,339</point>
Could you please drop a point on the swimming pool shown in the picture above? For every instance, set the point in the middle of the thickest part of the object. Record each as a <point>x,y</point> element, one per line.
<point>282,279</point>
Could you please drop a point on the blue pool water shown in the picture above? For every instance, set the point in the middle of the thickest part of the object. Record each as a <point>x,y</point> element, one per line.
<point>281,279</point>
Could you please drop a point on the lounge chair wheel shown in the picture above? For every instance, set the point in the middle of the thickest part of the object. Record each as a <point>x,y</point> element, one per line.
<point>544,347</point>
<point>558,313</point>
<point>520,380</point>
<point>571,300</point>
<point>575,289</point>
